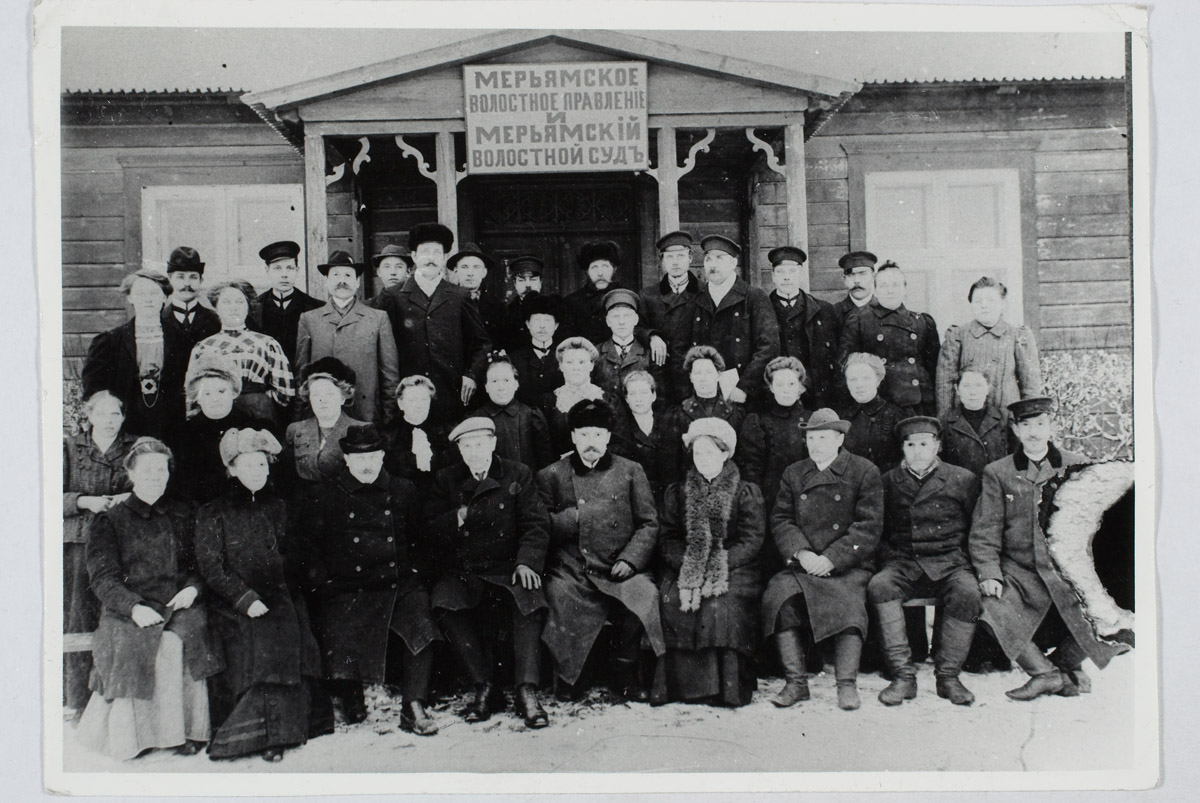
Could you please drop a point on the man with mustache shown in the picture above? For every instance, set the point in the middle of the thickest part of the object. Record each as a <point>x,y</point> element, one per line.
<point>357,335</point>
<point>280,307</point>
<point>184,314</point>
<point>436,325</point>
<point>858,269</point>
<point>604,531</point>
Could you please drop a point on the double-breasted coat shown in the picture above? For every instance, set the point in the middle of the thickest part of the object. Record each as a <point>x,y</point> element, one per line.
<point>928,522</point>
<point>873,431</point>
<point>907,341</point>
<point>837,513</point>
<point>440,336</point>
<point>1007,544</point>
<point>522,433</point>
<point>611,367</point>
<point>283,323</point>
<point>743,328</point>
<point>111,364</point>
<point>140,554</point>
<point>598,516</point>
<point>200,475</point>
<point>1006,354</point>
<point>362,579</point>
<point>649,450</point>
<point>809,331</point>
<point>506,526</point>
<point>963,446</point>
<point>363,340</point>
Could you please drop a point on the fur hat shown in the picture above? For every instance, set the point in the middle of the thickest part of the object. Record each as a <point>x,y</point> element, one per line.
<point>241,441</point>
<point>716,428</point>
<point>590,413</point>
<point>331,367</point>
<point>211,364</point>
<point>430,233</point>
<point>597,250</point>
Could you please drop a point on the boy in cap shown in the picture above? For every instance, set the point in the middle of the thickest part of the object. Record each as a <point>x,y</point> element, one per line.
<point>393,265</point>
<point>184,313</point>
<point>1027,604</point>
<point>280,307</point>
<point>371,609</point>
<point>923,552</point>
<point>622,353</point>
<point>808,330</point>
<point>605,529</point>
<point>488,535</point>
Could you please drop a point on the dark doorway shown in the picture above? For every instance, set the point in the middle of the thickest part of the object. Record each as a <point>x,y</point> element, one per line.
<point>551,216</point>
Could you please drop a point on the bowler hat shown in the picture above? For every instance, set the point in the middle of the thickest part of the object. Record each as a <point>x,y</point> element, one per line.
<point>526,264</point>
<point>240,441</point>
<point>330,367</point>
<point>472,425</point>
<point>590,413</point>
<point>597,250</point>
<point>916,424</point>
<point>825,418</point>
<point>361,438</point>
<point>341,259</point>
<point>470,250</point>
<point>430,233</point>
<point>283,249</point>
<point>716,242</point>
<point>786,253</point>
<point>393,251</point>
<point>675,239</point>
<point>857,259</point>
<point>1031,407</point>
<point>621,298</point>
<point>716,428</point>
<point>185,258</point>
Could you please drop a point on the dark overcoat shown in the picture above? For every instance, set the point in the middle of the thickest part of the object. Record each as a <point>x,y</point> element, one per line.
<point>244,553</point>
<point>611,368</point>
<point>494,314</point>
<point>362,339</point>
<point>284,324</point>
<point>664,313</point>
<point>111,364</point>
<point>400,461</point>
<point>963,446</point>
<point>522,433</point>
<point>139,554</point>
<point>538,376</point>
<point>873,431</point>
<point>837,513</point>
<point>648,450</point>
<point>598,517</point>
<point>200,475</point>
<point>505,527</point>
<point>1007,544</point>
<point>743,328</point>
<point>768,443</point>
<point>731,619</point>
<point>584,313</point>
<point>809,331</point>
<point>205,323</point>
<point>362,581</point>
<point>928,521</point>
<point>907,341</point>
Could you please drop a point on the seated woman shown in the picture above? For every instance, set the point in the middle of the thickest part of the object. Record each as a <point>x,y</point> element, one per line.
<point>703,366</point>
<point>576,359</point>
<point>267,387</point>
<point>327,389</point>
<point>640,432</point>
<point>417,449</point>
<point>266,699</point>
<point>711,531</point>
<point>94,480</point>
<point>772,440</point>
<point>974,432</point>
<point>151,649</point>
<point>872,418</point>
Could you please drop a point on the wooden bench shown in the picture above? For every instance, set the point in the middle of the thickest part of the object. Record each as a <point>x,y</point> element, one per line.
<point>77,642</point>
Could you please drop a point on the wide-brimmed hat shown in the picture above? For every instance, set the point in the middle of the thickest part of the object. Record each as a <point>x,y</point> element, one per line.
<point>393,251</point>
<point>470,250</point>
<point>283,249</point>
<point>186,259</point>
<point>341,259</point>
<point>430,233</point>
<point>716,428</point>
<point>241,441</point>
<point>361,438</point>
<point>825,418</point>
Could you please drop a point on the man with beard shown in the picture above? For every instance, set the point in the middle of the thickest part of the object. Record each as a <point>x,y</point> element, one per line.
<point>184,313</point>
<point>357,335</point>
<point>665,303</point>
<point>436,326</point>
<point>584,308</point>
<point>808,329</point>
<point>280,307</point>
<point>393,265</point>
<point>605,529</point>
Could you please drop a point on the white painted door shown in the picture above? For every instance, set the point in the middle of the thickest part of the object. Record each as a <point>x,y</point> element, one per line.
<point>947,228</point>
<point>227,224</point>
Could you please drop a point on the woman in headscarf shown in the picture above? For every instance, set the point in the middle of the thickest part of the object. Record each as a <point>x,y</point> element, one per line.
<point>711,531</point>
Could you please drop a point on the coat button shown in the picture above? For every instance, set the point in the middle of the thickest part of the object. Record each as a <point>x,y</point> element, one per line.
<point>581,501</point>
<point>351,514</point>
<point>913,335</point>
<point>837,497</point>
<point>393,585</point>
<point>392,564</point>
<point>879,337</point>
<point>912,360</point>
<point>387,512</point>
<point>390,539</point>
<point>356,539</point>
<point>803,496</point>
<point>737,340</point>
<point>836,527</point>
<point>358,568</point>
<point>916,382</point>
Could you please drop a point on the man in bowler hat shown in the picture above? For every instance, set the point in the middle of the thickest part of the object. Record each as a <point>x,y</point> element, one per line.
<point>184,313</point>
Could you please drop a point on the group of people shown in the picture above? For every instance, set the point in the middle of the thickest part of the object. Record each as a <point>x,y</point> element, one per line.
<point>276,500</point>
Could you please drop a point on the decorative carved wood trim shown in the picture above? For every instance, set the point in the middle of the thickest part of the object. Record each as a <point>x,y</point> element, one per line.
<point>415,154</point>
<point>765,147</point>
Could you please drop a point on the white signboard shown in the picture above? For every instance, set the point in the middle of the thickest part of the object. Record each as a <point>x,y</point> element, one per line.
<point>556,118</point>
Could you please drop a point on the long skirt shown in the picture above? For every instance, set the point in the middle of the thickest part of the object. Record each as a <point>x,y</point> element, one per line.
<point>272,715</point>
<point>81,614</point>
<point>717,675</point>
<point>177,713</point>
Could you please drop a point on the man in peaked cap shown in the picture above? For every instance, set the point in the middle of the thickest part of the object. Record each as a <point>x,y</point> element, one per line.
<point>184,313</point>
<point>436,325</point>
<point>604,526</point>
<point>393,265</point>
<point>358,335</point>
<point>621,353</point>
<point>808,329</point>
<point>858,274</point>
<point>732,317</point>
<point>1027,603</point>
<point>928,506</point>
<point>280,307</point>
<point>664,304</point>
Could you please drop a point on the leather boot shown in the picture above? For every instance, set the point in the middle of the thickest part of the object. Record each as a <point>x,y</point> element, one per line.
<point>354,705</point>
<point>629,682</point>
<point>414,719</point>
<point>952,652</point>
<point>1044,677</point>
<point>847,695</point>
<point>894,637</point>
<point>1068,657</point>
<point>529,708</point>
<point>480,709</point>
<point>847,654</point>
<point>791,655</point>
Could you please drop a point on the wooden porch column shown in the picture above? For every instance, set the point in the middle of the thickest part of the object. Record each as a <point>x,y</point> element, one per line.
<point>447,183</point>
<point>667,173</point>
<point>797,194</point>
<point>316,221</point>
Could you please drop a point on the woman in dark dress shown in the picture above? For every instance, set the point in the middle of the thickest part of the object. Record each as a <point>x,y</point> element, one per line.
<point>711,530</point>
<point>576,359</point>
<point>94,480</point>
<point>267,698</point>
<point>416,448</point>
<point>772,440</point>
<point>640,432</point>
<point>313,450</point>
<point>872,418</point>
<point>703,366</point>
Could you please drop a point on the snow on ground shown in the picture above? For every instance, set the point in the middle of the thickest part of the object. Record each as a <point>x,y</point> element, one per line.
<point>1089,732</point>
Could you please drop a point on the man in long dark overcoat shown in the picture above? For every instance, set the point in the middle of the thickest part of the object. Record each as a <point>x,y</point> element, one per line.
<point>732,317</point>
<point>488,535</point>
<point>605,530</point>
<point>808,329</point>
<point>437,327</point>
<point>280,308</point>
<point>923,553</point>
<point>826,522</point>
<point>1027,603</point>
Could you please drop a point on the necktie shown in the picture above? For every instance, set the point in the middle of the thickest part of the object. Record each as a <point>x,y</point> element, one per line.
<point>479,475</point>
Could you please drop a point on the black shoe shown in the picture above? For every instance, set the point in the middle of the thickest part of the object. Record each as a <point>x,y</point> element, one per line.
<point>354,705</point>
<point>529,708</point>
<point>480,709</point>
<point>414,719</point>
<point>189,748</point>
<point>273,755</point>
<point>1047,683</point>
<point>567,692</point>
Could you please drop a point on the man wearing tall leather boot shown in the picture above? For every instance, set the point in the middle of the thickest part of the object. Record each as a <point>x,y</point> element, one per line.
<point>923,553</point>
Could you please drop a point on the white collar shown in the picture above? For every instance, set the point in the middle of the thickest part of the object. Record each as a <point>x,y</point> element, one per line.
<point>858,303</point>
<point>426,285</point>
<point>548,345</point>
<point>719,291</point>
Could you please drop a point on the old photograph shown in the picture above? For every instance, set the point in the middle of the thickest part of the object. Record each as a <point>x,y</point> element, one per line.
<point>744,401</point>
